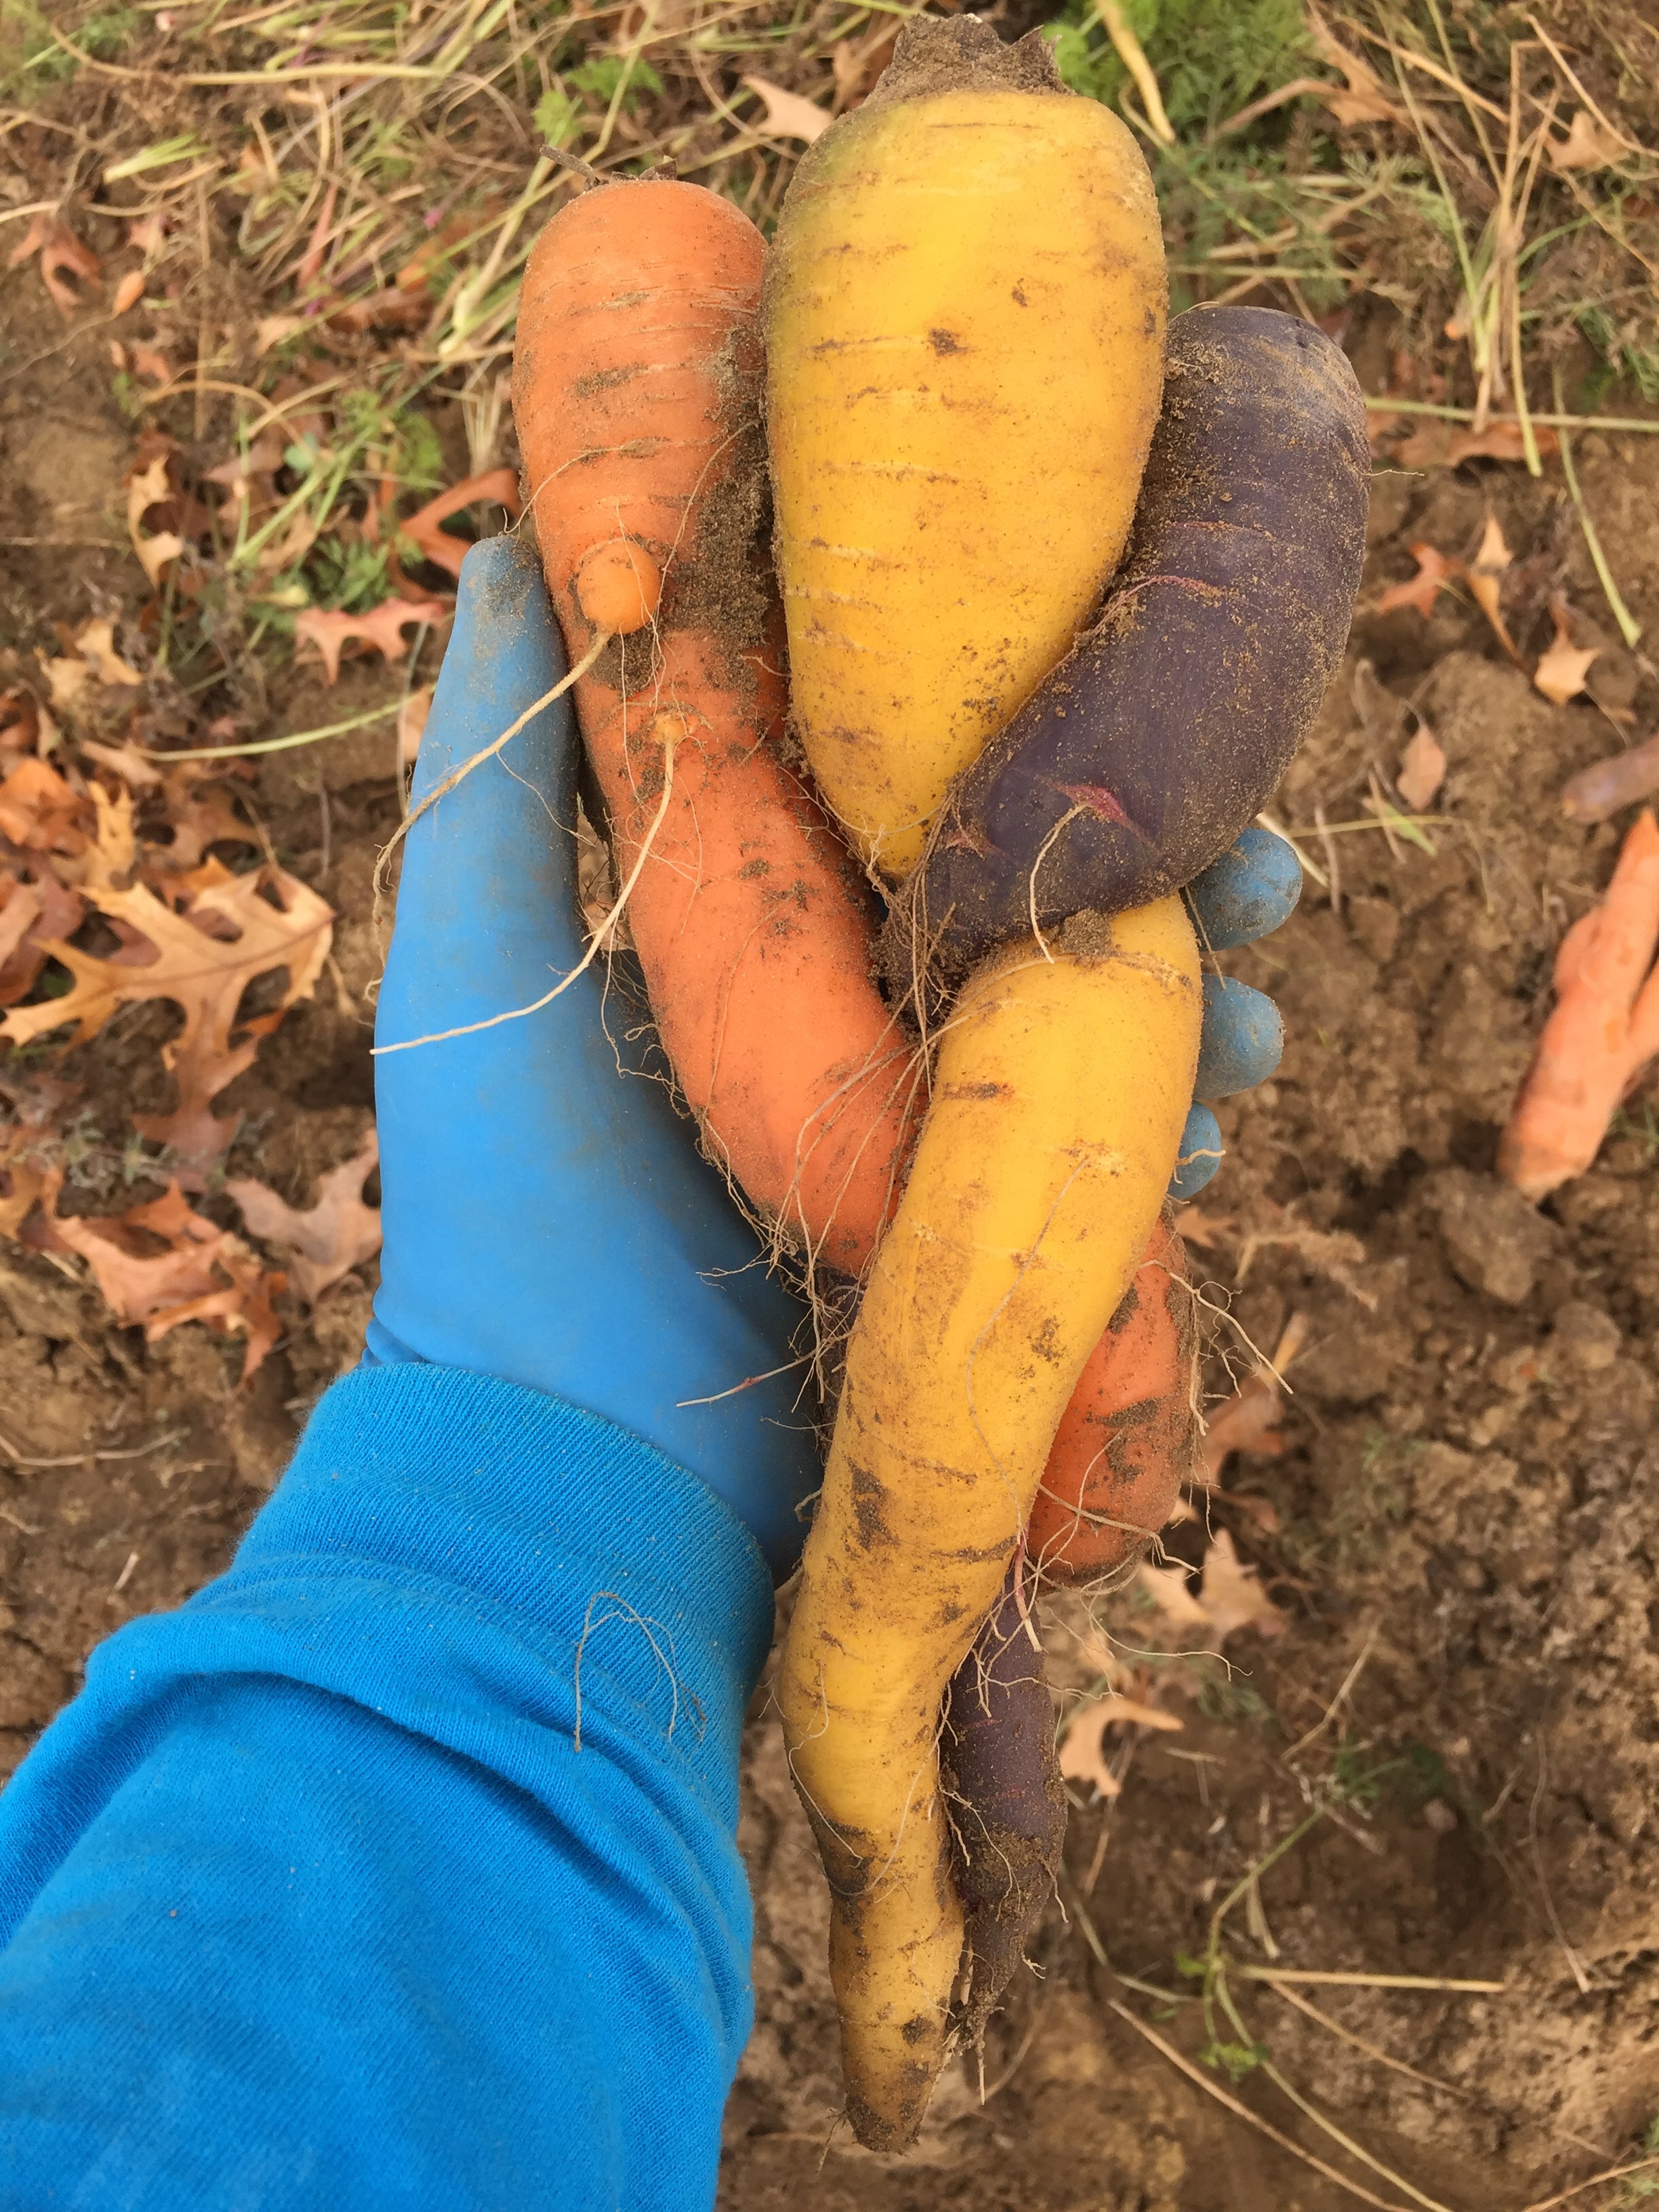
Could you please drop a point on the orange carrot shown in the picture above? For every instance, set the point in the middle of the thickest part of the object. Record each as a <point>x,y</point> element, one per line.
<point>635,392</point>
<point>1127,1439</point>
<point>636,397</point>
<point>1603,1031</point>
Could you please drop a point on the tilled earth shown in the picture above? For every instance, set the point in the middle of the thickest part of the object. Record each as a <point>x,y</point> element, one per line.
<point>1459,1528</point>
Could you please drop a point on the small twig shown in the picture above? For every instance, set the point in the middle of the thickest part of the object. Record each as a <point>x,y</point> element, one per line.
<point>269,744</point>
<point>1335,887</point>
<point>1558,421</point>
<point>1334,1706</point>
<point>1242,2111</point>
<point>1630,628</point>
<point>1613,2173</point>
<point>1347,2035</point>
<point>1334,1980</point>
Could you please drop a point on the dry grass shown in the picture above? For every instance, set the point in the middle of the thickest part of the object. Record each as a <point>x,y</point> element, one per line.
<point>331,206</point>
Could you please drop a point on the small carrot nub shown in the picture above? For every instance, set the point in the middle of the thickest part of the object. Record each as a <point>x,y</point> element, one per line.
<point>619,586</point>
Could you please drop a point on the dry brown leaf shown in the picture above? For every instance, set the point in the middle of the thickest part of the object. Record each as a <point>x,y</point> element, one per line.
<point>441,547</point>
<point>272,329</point>
<point>1422,769</point>
<point>201,960</point>
<point>787,114</point>
<point>1563,667</point>
<point>1231,1594</point>
<point>1204,1230</point>
<point>60,251</point>
<point>152,365</point>
<point>1485,575</point>
<point>58,912</point>
<point>1167,1586</point>
<point>20,909</point>
<point>382,627</point>
<point>1587,145</point>
<point>1444,445</point>
<point>1248,1422</point>
<point>39,813</point>
<point>1082,1750</point>
<point>114,849</point>
<point>290,549</point>
<point>411,723</point>
<point>95,643</point>
<point>205,1274</point>
<point>200,813</point>
<point>856,65</point>
<point>93,657</point>
<point>1365,100</point>
<point>125,760</point>
<point>331,1237</point>
<point>26,1176</point>
<point>147,488</point>
<point>1434,573</point>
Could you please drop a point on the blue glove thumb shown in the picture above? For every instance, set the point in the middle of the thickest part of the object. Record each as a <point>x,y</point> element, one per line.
<point>548,1219</point>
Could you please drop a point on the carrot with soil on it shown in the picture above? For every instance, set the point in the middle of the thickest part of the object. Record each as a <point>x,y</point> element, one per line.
<point>1128,1438</point>
<point>636,397</point>
<point>1602,1032</point>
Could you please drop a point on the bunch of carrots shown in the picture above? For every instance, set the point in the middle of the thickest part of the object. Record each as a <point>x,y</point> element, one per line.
<point>906,822</point>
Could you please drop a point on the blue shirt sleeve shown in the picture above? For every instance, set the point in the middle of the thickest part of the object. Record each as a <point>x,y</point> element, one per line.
<point>397,1868</point>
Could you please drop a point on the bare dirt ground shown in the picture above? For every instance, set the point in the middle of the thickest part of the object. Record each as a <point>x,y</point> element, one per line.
<point>1458,1530</point>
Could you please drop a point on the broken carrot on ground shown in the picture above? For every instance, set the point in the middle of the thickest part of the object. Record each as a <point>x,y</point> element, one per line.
<point>1602,1032</point>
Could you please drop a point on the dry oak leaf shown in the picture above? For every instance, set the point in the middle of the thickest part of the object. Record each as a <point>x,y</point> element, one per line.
<point>147,488</point>
<point>37,909</point>
<point>1434,574</point>
<point>382,627</point>
<point>441,547</point>
<point>1083,1749</point>
<point>1587,145</point>
<point>1229,1597</point>
<point>787,114</point>
<point>330,1238</point>
<point>60,250</point>
<point>24,1178</point>
<point>205,1274</point>
<point>1231,1593</point>
<point>200,813</point>
<point>40,812</point>
<point>234,929</point>
<point>1563,667</point>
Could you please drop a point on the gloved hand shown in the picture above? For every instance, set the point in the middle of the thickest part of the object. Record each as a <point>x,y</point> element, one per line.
<point>548,1219</point>
<point>1248,891</point>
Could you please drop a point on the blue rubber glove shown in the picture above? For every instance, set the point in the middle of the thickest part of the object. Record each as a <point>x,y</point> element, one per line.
<point>1248,891</point>
<point>548,1219</point>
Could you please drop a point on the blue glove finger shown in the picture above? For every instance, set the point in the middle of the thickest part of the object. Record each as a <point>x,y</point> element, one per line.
<point>548,1219</point>
<point>1200,1156</point>
<point>1247,892</point>
<point>1241,1041</point>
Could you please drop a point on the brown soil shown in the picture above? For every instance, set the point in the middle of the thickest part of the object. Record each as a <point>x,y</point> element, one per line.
<point>1467,1496</point>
